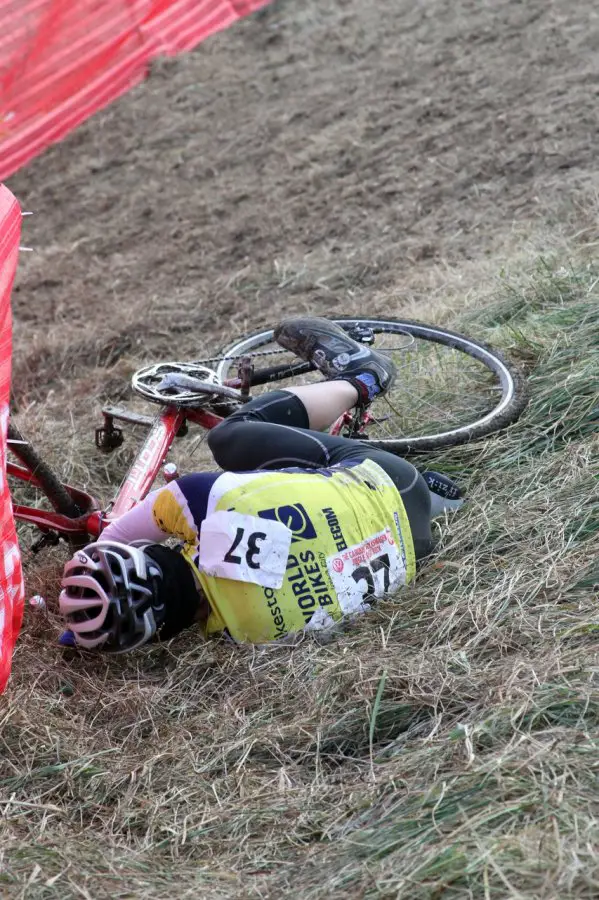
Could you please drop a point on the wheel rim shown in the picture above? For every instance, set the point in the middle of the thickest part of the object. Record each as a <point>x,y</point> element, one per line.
<point>449,387</point>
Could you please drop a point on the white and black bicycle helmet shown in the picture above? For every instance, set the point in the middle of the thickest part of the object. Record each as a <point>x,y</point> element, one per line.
<point>110,596</point>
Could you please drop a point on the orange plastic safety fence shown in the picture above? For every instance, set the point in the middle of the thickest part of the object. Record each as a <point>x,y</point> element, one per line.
<point>61,61</point>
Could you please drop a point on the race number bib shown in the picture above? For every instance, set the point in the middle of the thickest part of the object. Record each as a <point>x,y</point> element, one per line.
<point>244,548</point>
<point>367,570</point>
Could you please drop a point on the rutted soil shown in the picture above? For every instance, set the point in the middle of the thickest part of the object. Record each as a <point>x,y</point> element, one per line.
<point>318,156</point>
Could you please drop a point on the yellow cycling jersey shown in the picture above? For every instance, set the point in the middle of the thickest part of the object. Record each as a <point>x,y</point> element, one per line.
<point>277,552</point>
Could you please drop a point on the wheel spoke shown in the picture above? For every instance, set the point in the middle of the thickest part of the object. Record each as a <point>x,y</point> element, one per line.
<point>448,386</point>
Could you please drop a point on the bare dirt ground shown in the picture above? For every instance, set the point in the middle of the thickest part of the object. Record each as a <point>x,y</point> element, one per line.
<point>337,156</point>
<point>325,156</point>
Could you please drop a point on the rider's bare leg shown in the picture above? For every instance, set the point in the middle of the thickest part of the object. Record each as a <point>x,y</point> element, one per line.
<point>325,401</point>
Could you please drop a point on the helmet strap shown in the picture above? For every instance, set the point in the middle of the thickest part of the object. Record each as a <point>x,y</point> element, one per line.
<point>177,599</point>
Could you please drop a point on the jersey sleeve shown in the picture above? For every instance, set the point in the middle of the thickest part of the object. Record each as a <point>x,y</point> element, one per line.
<point>138,524</point>
<point>175,510</point>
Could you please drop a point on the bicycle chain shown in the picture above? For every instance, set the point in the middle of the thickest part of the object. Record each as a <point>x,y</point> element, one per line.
<point>200,362</point>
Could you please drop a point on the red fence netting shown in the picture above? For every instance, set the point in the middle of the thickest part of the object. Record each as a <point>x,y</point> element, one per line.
<point>61,61</point>
<point>11,580</point>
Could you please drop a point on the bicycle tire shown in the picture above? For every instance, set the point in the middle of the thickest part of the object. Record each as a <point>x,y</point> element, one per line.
<point>58,496</point>
<point>505,412</point>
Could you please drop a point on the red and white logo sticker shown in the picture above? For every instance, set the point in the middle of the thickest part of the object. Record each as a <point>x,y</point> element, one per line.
<point>366,570</point>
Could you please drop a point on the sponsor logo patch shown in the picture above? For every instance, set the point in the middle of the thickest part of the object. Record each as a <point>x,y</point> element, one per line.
<point>295,518</point>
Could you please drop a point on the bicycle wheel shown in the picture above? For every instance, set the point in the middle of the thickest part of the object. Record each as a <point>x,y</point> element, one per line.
<point>450,389</point>
<point>58,496</point>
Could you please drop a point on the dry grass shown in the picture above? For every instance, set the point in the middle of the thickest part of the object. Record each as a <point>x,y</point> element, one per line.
<point>389,157</point>
<point>444,746</point>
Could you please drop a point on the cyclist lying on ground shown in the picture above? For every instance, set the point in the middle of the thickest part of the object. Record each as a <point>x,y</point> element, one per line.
<point>301,528</point>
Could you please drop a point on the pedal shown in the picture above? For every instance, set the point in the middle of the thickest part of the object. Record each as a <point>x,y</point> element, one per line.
<point>108,438</point>
<point>361,333</point>
<point>49,539</point>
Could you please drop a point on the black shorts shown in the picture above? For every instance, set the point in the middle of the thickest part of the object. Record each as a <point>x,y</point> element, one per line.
<point>271,432</point>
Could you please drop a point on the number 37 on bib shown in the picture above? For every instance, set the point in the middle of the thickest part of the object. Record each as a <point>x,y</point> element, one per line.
<point>244,548</point>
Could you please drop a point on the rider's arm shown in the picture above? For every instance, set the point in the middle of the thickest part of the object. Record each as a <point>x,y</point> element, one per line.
<point>138,524</point>
<point>175,510</point>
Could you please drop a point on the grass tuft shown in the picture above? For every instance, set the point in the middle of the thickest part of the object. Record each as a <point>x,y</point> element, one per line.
<point>443,746</point>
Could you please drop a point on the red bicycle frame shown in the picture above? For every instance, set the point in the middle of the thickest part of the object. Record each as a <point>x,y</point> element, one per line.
<point>140,477</point>
<point>134,487</point>
<point>152,454</point>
